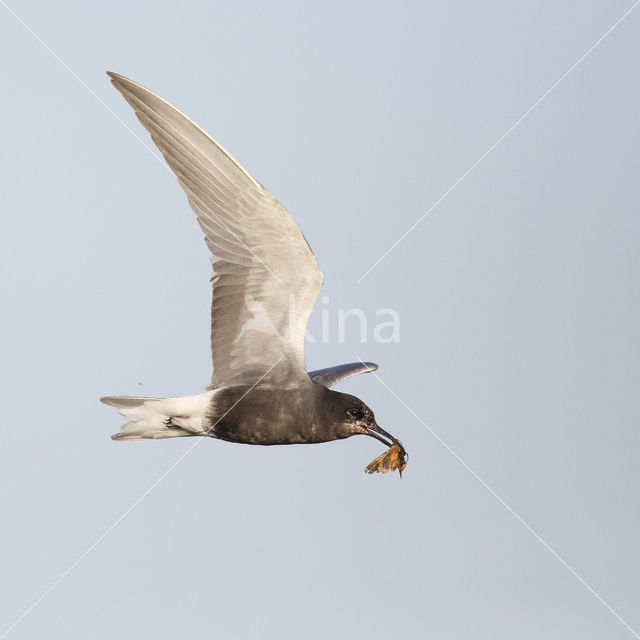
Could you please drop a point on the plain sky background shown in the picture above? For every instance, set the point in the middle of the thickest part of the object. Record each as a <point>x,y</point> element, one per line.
<point>518,297</point>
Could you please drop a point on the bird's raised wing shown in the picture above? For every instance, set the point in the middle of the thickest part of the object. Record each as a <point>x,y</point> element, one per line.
<point>265,276</point>
<point>331,376</point>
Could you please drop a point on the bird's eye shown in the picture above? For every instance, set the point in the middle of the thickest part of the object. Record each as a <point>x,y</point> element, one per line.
<point>356,413</point>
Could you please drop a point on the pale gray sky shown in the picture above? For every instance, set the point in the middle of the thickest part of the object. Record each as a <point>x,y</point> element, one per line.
<point>518,297</point>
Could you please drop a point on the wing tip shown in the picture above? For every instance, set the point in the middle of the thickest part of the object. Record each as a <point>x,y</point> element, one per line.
<point>115,77</point>
<point>127,86</point>
<point>122,83</point>
<point>333,375</point>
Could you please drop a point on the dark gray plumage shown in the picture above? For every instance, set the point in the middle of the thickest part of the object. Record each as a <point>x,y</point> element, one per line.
<point>265,283</point>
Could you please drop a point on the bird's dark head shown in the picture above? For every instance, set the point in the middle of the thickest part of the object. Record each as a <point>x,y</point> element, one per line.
<point>351,416</point>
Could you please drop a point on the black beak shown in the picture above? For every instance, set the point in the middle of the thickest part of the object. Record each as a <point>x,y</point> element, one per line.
<point>379,433</point>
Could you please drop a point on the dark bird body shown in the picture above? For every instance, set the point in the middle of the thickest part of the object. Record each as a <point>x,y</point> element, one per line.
<point>300,415</point>
<point>265,283</point>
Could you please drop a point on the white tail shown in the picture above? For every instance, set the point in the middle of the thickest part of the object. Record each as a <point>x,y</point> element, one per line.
<point>152,418</point>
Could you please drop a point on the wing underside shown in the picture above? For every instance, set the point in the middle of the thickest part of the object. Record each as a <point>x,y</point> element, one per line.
<point>265,276</point>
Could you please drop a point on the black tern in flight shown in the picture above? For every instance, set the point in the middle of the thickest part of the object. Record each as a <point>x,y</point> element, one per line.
<point>265,283</point>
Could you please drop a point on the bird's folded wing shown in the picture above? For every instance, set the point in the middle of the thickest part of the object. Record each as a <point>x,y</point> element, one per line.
<point>265,276</point>
<point>331,376</point>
